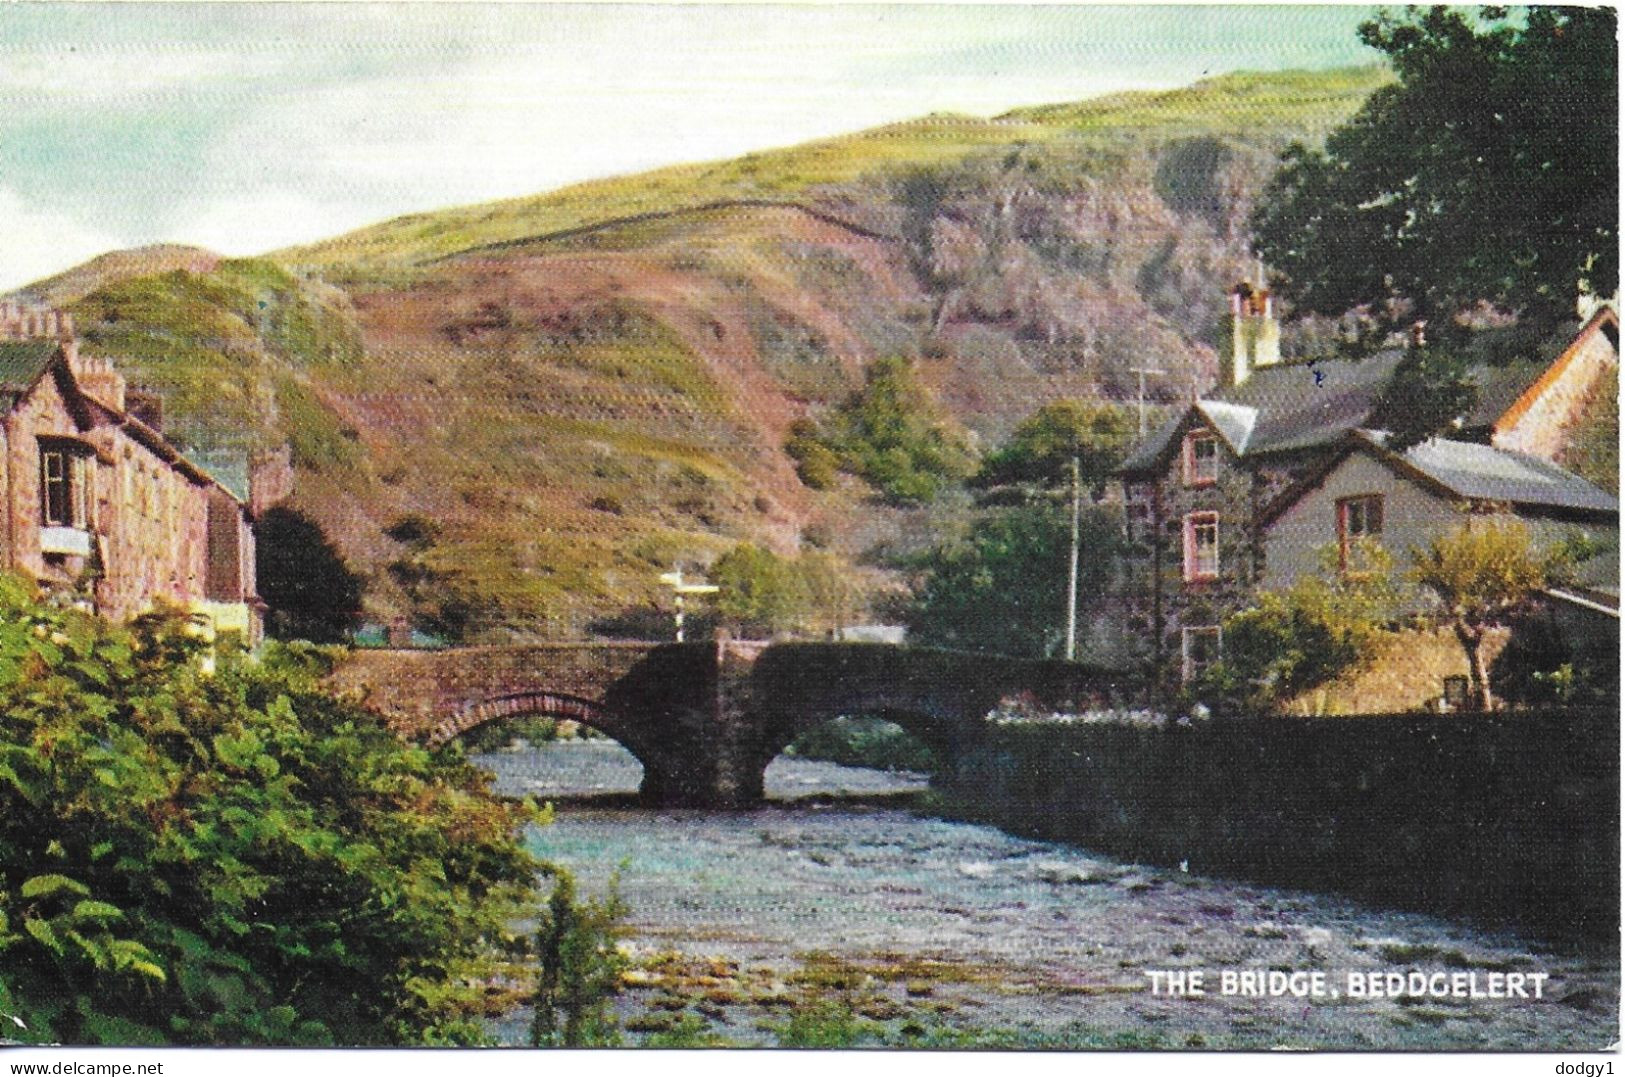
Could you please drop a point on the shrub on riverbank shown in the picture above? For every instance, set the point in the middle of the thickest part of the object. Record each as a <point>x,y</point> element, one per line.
<point>864,742</point>
<point>232,859</point>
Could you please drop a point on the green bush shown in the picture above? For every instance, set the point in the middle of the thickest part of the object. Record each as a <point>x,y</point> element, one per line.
<point>864,742</point>
<point>580,967</point>
<point>1291,641</point>
<point>891,433</point>
<point>232,859</point>
<point>816,463</point>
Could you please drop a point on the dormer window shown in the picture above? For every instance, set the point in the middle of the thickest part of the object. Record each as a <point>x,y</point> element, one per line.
<point>1201,459</point>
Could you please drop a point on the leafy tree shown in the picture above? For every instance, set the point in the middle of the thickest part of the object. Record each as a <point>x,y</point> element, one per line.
<point>831,593</point>
<point>1487,173</point>
<point>233,859</point>
<point>1482,573</point>
<point>1041,449</point>
<point>761,593</point>
<point>1430,388</point>
<point>891,434</point>
<point>311,592</point>
<point>1002,587</point>
<point>1291,641</point>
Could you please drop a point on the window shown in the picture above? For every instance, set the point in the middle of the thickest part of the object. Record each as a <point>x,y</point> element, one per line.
<point>56,493</point>
<point>1357,518</point>
<point>1199,648</point>
<point>1201,546</point>
<point>1201,459</point>
<point>67,484</point>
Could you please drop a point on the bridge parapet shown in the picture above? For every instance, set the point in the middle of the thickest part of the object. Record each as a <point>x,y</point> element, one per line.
<point>418,691</point>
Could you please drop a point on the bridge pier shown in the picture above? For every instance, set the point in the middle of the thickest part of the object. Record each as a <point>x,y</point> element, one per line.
<point>670,782</point>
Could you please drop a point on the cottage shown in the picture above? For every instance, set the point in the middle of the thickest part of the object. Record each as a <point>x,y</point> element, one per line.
<point>1402,501</point>
<point>1199,491</point>
<point>99,507</point>
<point>1194,489</point>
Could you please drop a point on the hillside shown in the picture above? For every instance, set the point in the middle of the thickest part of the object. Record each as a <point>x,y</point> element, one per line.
<point>551,399</point>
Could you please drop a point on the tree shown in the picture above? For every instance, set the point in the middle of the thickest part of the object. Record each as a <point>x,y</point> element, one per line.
<point>311,592</point>
<point>1002,587</point>
<point>239,858</point>
<point>1291,641</point>
<point>891,434</point>
<point>1429,389</point>
<point>1487,174</point>
<point>1041,449</point>
<point>831,593</point>
<point>761,593</point>
<point>1482,573</point>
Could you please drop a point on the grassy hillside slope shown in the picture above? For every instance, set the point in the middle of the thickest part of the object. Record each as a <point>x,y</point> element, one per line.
<point>579,388</point>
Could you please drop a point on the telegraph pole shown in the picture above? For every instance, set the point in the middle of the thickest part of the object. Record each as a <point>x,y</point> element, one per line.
<point>1072,576</point>
<point>680,589</point>
<point>1142,371</point>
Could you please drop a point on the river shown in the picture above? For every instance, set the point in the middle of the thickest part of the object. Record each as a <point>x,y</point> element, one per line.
<point>822,921</point>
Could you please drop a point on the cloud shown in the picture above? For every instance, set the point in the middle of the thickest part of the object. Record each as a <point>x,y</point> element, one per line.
<point>36,242</point>
<point>596,96</point>
<point>265,219</point>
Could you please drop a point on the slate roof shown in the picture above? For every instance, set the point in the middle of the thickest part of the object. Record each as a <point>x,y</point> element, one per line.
<point>1284,407</point>
<point>21,362</point>
<point>1499,387</point>
<point>227,467</point>
<point>1485,473</point>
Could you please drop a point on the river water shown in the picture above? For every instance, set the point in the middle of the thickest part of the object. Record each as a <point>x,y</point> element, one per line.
<point>922,930</point>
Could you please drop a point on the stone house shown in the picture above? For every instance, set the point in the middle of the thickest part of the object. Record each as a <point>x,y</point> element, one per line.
<point>101,509</point>
<point>1198,490</point>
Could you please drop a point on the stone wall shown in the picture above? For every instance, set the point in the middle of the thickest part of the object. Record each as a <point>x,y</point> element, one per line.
<point>1509,818</point>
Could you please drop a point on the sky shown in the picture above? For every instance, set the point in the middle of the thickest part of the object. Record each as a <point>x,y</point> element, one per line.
<point>244,127</point>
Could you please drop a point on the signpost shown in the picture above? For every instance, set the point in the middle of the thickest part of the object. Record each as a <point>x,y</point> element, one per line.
<point>679,588</point>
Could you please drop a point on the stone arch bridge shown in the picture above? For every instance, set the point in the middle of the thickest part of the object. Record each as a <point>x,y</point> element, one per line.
<point>705,719</point>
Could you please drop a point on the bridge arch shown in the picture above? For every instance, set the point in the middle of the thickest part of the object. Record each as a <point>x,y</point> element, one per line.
<point>536,704</point>
<point>543,703</point>
<point>874,740</point>
<point>946,731</point>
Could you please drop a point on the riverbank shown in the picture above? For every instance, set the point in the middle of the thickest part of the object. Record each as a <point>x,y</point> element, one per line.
<point>840,924</point>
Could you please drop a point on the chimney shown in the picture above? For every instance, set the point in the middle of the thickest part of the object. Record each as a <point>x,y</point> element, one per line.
<point>1255,335</point>
<point>98,379</point>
